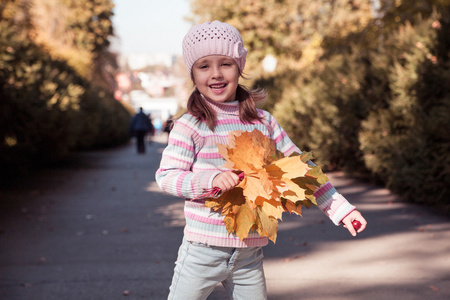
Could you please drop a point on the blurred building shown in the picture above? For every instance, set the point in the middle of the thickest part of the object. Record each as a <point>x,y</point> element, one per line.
<point>158,107</point>
<point>153,82</point>
<point>140,61</point>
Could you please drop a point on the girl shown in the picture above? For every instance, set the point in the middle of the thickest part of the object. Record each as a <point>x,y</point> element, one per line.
<point>215,57</point>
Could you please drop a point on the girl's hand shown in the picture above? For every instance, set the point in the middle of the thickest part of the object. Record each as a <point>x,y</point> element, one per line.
<point>226,181</point>
<point>354,215</point>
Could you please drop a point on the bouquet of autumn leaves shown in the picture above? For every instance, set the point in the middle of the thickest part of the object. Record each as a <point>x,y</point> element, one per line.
<point>271,184</point>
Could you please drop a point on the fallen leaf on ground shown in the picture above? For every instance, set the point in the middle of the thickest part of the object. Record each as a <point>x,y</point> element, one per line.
<point>434,288</point>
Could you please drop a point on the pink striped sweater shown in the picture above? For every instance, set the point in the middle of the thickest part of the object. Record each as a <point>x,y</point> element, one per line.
<point>191,161</point>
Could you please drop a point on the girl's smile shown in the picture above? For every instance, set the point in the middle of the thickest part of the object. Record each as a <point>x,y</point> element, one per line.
<point>216,77</point>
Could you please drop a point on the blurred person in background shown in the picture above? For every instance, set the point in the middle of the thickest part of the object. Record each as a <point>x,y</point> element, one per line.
<point>140,126</point>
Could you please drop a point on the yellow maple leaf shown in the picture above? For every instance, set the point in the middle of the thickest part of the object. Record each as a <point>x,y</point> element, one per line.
<point>257,184</point>
<point>272,207</point>
<point>266,225</point>
<point>288,167</point>
<point>245,219</point>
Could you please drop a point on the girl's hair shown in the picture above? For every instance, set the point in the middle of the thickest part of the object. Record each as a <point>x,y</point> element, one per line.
<point>247,106</point>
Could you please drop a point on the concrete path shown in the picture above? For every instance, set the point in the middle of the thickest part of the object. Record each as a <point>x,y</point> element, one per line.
<point>100,228</point>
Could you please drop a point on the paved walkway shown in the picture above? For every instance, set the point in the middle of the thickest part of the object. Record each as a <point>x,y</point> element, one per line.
<point>100,228</point>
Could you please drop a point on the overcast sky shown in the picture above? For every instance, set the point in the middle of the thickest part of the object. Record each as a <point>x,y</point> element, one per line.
<point>150,26</point>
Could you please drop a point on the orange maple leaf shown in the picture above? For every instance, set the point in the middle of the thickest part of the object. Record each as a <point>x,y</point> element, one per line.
<point>272,184</point>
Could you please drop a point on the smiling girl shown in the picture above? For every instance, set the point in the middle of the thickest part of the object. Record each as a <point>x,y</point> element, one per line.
<point>215,57</point>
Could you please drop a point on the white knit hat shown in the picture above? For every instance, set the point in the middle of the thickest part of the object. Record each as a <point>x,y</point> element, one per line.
<point>213,38</point>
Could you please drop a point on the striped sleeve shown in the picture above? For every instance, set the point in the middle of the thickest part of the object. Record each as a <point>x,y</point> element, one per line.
<point>280,137</point>
<point>333,204</point>
<point>175,175</point>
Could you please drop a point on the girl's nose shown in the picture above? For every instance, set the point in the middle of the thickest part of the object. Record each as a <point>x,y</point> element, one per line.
<point>216,72</point>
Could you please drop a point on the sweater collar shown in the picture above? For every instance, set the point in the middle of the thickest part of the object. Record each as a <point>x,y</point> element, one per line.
<point>224,108</point>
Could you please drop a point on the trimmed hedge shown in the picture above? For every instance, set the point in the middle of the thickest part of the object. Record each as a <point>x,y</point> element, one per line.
<point>406,144</point>
<point>378,112</point>
<point>47,110</point>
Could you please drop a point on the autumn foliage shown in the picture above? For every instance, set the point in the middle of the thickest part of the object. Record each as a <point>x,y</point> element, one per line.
<point>272,184</point>
<point>362,84</point>
<point>56,83</point>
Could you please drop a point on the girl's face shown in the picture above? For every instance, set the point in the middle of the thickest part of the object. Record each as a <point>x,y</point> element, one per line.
<point>216,77</point>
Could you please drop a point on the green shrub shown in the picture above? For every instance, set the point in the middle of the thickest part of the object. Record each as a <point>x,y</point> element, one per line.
<point>47,110</point>
<point>40,102</point>
<point>323,108</point>
<point>105,120</point>
<point>406,144</point>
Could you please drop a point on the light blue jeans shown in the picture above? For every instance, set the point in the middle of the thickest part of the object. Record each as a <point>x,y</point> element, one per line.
<point>199,268</point>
